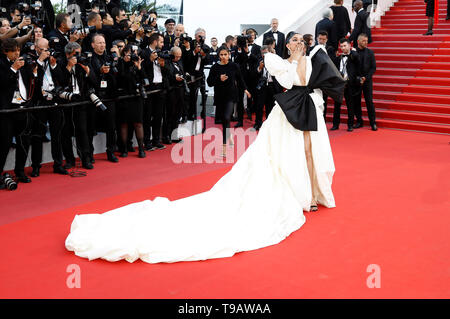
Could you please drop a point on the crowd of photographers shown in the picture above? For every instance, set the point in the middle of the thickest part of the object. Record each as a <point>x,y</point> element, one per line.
<point>118,74</point>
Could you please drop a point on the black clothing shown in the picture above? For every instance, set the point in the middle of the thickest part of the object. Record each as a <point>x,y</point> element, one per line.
<point>429,11</point>
<point>298,105</point>
<point>360,27</point>
<point>130,78</point>
<point>329,26</point>
<point>341,19</point>
<point>280,43</point>
<point>367,69</point>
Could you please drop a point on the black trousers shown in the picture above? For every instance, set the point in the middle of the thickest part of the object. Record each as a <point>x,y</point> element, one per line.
<point>226,108</point>
<point>194,88</point>
<point>16,125</point>
<point>240,105</point>
<point>367,90</point>
<point>325,99</point>
<point>153,115</point>
<point>55,118</point>
<point>348,95</point>
<point>107,121</point>
<point>78,121</point>
<point>174,110</point>
<point>264,97</point>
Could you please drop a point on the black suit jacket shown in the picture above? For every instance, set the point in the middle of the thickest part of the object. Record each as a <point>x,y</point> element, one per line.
<point>342,20</point>
<point>248,64</point>
<point>368,64</point>
<point>327,25</point>
<point>280,44</point>
<point>62,78</point>
<point>360,27</point>
<point>9,82</point>
<point>59,46</point>
<point>353,66</point>
<point>147,64</point>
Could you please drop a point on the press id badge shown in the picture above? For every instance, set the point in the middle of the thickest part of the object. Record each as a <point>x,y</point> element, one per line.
<point>103,84</point>
<point>17,99</point>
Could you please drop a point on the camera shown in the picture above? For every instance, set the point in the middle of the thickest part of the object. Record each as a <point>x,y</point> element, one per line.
<point>148,28</point>
<point>242,41</point>
<point>141,90</point>
<point>68,96</point>
<point>164,54</point>
<point>9,182</point>
<point>134,57</point>
<point>184,37</point>
<point>84,58</point>
<point>96,101</point>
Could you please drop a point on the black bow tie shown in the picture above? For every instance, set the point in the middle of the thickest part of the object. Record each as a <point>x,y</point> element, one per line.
<point>274,32</point>
<point>345,55</point>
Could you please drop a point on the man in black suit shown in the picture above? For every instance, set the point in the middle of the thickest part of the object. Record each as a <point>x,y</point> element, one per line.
<point>448,10</point>
<point>367,70</point>
<point>348,65</point>
<point>360,25</point>
<point>63,24</point>
<point>17,82</point>
<point>75,79</point>
<point>327,24</point>
<point>157,74</point>
<point>280,39</point>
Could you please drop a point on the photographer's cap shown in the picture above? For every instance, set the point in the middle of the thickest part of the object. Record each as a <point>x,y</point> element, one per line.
<point>170,20</point>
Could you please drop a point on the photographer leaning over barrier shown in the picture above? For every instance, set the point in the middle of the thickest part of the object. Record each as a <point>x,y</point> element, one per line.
<point>105,68</point>
<point>64,32</point>
<point>18,80</point>
<point>7,32</point>
<point>74,82</point>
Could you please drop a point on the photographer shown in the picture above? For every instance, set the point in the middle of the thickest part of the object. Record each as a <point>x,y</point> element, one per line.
<point>73,82</point>
<point>64,32</point>
<point>197,56</point>
<point>105,69</point>
<point>55,117</point>
<point>266,88</point>
<point>248,56</point>
<point>169,34</point>
<point>175,106</point>
<point>131,78</point>
<point>157,74</point>
<point>94,25</point>
<point>116,32</point>
<point>18,80</point>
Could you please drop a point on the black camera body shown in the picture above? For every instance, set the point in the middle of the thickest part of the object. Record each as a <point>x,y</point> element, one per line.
<point>84,58</point>
<point>242,41</point>
<point>185,37</point>
<point>164,54</point>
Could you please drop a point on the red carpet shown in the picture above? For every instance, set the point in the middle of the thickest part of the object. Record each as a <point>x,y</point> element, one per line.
<point>391,190</point>
<point>411,84</point>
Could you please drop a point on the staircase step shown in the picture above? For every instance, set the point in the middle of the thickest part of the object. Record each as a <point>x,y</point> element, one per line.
<point>414,72</point>
<point>414,65</point>
<point>416,31</point>
<point>399,124</point>
<point>408,51</point>
<point>399,115</point>
<point>390,43</point>
<point>405,106</point>
<point>418,57</point>
<point>405,88</point>
<point>411,80</point>
<point>407,37</point>
<point>412,97</point>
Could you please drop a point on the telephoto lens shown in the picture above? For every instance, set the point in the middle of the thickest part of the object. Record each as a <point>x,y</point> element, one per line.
<point>97,102</point>
<point>9,182</point>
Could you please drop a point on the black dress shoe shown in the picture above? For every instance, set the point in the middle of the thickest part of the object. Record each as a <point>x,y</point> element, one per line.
<point>179,140</point>
<point>358,125</point>
<point>23,178</point>
<point>130,148</point>
<point>87,165</point>
<point>141,153</point>
<point>238,124</point>
<point>159,146</point>
<point>428,33</point>
<point>123,154</point>
<point>69,165</point>
<point>374,127</point>
<point>334,128</point>
<point>111,157</point>
<point>166,141</point>
<point>149,147</point>
<point>447,18</point>
<point>35,172</point>
<point>60,170</point>
<point>350,129</point>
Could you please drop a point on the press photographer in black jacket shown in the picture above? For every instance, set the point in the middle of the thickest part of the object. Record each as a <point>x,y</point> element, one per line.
<point>19,79</point>
<point>105,68</point>
<point>75,81</point>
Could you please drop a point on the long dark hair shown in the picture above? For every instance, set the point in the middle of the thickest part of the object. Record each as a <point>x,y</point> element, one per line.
<point>288,38</point>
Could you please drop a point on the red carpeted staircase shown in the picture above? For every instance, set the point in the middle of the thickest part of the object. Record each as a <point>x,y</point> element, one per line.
<point>412,81</point>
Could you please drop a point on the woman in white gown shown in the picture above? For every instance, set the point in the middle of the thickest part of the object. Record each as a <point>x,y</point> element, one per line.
<point>269,187</point>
